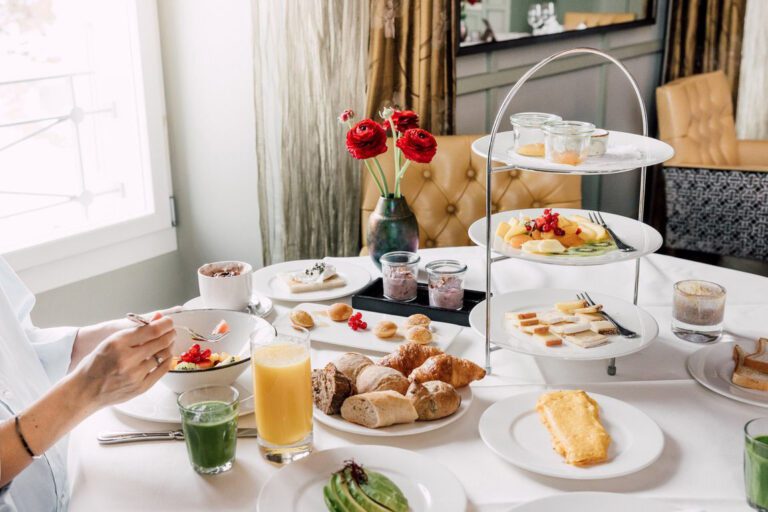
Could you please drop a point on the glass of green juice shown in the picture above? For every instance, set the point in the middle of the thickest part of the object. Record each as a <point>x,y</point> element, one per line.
<point>756,463</point>
<point>209,421</point>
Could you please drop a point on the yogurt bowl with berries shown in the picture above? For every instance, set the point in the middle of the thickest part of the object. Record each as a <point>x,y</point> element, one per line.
<point>199,364</point>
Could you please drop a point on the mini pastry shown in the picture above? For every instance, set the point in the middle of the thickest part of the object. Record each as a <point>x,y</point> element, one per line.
<point>409,356</point>
<point>589,309</point>
<point>586,339</point>
<point>418,319</point>
<point>385,329</point>
<point>301,318</point>
<point>454,370</point>
<point>340,312</point>
<point>536,329</point>
<point>569,328</point>
<point>549,339</point>
<point>419,334</point>
<point>570,307</point>
<point>551,317</point>
<point>604,327</point>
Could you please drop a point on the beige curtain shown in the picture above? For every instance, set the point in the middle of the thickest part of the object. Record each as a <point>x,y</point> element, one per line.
<point>309,65</point>
<point>412,60</point>
<point>704,36</point>
<point>752,111</point>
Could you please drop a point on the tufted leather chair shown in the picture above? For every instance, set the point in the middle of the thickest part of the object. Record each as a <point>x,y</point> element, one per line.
<point>713,175</point>
<point>448,194</point>
<point>696,118</point>
<point>571,20</point>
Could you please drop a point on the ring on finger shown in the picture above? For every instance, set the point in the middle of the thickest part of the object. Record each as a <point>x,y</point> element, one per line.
<point>158,359</point>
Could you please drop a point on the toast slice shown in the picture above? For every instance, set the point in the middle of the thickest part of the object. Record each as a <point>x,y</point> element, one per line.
<point>745,376</point>
<point>758,360</point>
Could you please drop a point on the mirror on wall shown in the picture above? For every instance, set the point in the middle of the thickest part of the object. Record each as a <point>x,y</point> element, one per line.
<point>490,24</point>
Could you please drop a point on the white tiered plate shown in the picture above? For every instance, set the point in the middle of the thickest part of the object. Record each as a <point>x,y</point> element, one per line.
<point>512,429</point>
<point>427,485</point>
<point>626,313</point>
<point>626,151</point>
<point>712,366</point>
<point>639,235</point>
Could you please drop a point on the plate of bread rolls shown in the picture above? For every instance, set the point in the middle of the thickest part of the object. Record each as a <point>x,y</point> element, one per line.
<point>412,390</point>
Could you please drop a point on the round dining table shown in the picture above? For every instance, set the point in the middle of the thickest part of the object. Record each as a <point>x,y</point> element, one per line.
<point>699,469</point>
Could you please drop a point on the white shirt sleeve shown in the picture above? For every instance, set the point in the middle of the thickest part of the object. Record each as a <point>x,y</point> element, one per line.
<point>53,346</point>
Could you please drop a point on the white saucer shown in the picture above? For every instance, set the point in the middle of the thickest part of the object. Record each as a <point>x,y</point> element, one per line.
<point>267,281</point>
<point>407,429</point>
<point>260,306</point>
<point>712,366</point>
<point>427,485</point>
<point>512,429</point>
<point>594,502</point>
<point>159,403</point>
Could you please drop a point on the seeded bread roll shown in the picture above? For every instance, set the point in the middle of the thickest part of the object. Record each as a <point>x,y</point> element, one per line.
<point>380,378</point>
<point>330,388</point>
<point>434,399</point>
<point>378,409</point>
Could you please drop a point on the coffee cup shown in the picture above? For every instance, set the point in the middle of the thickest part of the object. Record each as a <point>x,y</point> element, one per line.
<point>225,284</point>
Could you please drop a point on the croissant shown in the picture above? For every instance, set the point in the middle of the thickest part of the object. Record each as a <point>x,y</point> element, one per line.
<point>447,368</point>
<point>409,356</point>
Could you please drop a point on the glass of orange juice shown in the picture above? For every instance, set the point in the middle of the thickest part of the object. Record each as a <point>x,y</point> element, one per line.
<point>282,392</point>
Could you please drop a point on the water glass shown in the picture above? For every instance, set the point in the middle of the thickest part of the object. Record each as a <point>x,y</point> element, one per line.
<point>446,283</point>
<point>697,311</point>
<point>756,463</point>
<point>209,421</point>
<point>282,392</point>
<point>400,270</point>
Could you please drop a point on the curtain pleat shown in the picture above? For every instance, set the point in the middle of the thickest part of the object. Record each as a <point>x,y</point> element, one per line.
<point>412,60</point>
<point>309,65</point>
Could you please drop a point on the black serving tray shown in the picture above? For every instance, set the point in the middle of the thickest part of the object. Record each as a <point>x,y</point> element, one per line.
<point>371,298</point>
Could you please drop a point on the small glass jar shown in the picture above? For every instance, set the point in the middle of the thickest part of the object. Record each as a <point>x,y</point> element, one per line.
<point>529,137</point>
<point>400,270</point>
<point>567,142</point>
<point>446,284</point>
<point>598,142</point>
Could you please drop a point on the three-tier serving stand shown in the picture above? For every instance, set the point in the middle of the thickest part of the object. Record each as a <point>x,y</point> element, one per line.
<point>489,347</point>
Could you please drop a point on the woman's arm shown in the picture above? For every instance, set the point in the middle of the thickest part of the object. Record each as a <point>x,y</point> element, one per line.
<point>120,367</point>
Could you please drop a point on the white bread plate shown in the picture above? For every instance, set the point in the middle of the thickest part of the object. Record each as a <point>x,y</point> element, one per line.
<point>241,326</point>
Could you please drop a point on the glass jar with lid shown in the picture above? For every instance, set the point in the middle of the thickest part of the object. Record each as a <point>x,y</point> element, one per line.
<point>446,283</point>
<point>527,130</point>
<point>567,142</point>
<point>400,270</point>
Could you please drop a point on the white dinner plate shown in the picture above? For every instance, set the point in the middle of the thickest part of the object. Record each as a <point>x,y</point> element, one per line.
<point>267,281</point>
<point>339,333</point>
<point>260,305</point>
<point>594,502</point>
<point>406,429</point>
<point>512,429</point>
<point>159,403</point>
<point>625,313</point>
<point>626,151</point>
<point>427,485</point>
<point>639,235</point>
<point>712,366</point>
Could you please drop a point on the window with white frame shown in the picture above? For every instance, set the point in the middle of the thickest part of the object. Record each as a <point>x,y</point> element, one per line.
<point>83,148</point>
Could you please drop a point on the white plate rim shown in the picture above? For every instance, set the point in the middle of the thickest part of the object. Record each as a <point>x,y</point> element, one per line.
<point>593,498</point>
<point>654,152</point>
<point>444,487</point>
<point>654,239</point>
<point>265,302</point>
<point>697,364</point>
<point>477,323</point>
<point>262,277</point>
<point>409,429</point>
<point>526,402</point>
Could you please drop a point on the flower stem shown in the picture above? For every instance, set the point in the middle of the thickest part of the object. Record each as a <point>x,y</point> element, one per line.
<point>399,177</point>
<point>375,179</point>
<point>397,157</point>
<point>383,177</point>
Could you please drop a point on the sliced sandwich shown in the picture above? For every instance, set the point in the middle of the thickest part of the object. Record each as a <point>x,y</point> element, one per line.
<point>758,360</point>
<point>745,376</point>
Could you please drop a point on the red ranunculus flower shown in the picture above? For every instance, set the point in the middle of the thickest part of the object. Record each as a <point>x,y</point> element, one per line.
<point>366,139</point>
<point>405,120</point>
<point>418,145</point>
<point>347,115</point>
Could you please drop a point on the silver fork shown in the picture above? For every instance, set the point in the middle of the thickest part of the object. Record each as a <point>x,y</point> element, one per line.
<point>623,331</point>
<point>596,218</point>
<point>196,336</point>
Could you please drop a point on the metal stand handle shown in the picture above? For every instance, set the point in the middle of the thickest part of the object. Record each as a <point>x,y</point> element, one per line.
<point>489,171</point>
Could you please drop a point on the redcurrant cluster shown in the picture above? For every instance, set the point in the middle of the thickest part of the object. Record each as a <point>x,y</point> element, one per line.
<point>355,322</point>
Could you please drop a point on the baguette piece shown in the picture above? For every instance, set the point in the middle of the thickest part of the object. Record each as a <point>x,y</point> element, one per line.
<point>409,356</point>
<point>745,376</point>
<point>351,364</point>
<point>758,360</point>
<point>379,409</point>
<point>451,369</point>
<point>380,378</point>
<point>434,399</point>
<point>330,388</point>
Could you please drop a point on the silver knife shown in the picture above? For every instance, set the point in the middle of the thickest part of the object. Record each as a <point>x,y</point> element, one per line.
<point>178,435</point>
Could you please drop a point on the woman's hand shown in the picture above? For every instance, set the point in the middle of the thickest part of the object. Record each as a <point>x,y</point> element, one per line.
<point>125,364</point>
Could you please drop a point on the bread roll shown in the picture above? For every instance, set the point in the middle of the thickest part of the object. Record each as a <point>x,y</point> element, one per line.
<point>434,399</point>
<point>351,364</point>
<point>378,409</point>
<point>330,388</point>
<point>380,378</point>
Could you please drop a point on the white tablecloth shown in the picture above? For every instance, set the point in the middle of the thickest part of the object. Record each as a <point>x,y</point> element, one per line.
<point>700,468</point>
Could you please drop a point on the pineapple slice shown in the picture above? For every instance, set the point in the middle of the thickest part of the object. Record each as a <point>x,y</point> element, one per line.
<point>514,231</point>
<point>600,232</point>
<point>502,229</point>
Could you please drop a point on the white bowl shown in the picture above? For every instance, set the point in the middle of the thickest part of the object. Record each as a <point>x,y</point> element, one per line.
<point>235,343</point>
